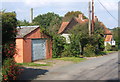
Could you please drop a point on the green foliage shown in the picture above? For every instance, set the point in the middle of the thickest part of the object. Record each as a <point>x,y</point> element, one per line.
<point>75,45</point>
<point>108,47</point>
<point>73,59</point>
<point>67,51</point>
<point>9,23</point>
<point>32,64</point>
<point>9,31</point>
<point>116,33</point>
<point>10,69</point>
<point>89,50</point>
<point>114,48</point>
<point>50,21</point>
<point>24,23</point>
<point>69,15</point>
<point>80,38</point>
<point>58,46</point>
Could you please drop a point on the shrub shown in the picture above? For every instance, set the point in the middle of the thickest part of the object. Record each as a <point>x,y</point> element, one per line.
<point>67,51</point>
<point>58,46</point>
<point>108,47</point>
<point>114,48</point>
<point>10,70</point>
<point>89,51</point>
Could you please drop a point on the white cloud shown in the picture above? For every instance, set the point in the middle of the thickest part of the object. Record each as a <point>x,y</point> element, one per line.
<point>42,3</point>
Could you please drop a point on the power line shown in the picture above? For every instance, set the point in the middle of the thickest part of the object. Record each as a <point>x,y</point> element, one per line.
<point>107,11</point>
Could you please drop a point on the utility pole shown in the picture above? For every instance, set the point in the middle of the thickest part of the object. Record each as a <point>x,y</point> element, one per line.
<point>31,15</point>
<point>93,16</point>
<point>89,18</point>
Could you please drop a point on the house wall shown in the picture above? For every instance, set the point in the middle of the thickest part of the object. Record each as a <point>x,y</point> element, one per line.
<point>36,34</point>
<point>27,57</point>
<point>48,49</point>
<point>66,37</point>
<point>109,42</point>
<point>25,47</point>
<point>19,47</point>
<point>113,43</point>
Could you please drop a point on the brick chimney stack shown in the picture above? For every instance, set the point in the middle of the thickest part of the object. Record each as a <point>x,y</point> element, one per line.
<point>95,19</point>
<point>80,16</point>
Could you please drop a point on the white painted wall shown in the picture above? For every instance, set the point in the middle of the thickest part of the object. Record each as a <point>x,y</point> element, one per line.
<point>67,37</point>
<point>109,42</point>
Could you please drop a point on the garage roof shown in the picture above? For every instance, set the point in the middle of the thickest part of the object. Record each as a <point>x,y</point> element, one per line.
<point>24,30</point>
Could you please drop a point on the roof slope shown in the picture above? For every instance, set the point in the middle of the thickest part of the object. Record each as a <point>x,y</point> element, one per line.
<point>106,30</point>
<point>108,38</point>
<point>63,26</point>
<point>24,30</point>
<point>81,21</point>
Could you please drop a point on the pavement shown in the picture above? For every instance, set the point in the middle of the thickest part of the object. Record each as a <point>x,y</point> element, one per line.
<point>100,68</point>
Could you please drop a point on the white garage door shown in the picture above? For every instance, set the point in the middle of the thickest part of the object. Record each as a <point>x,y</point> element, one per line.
<point>38,49</point>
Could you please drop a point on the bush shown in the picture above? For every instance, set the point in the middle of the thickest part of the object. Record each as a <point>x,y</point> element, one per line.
<point>114,48</point>
<point>67,51</point>
<point>89,51</point>
<point>108,47</point>
<point>10,70</point>
<point>58,46</point>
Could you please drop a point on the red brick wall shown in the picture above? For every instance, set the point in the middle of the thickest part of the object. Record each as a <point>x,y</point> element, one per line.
<point>27,46</point>
<point>19,49</point>
<point>27,50</point>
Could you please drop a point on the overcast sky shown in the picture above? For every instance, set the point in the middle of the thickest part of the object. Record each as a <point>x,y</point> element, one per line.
<point>22,8</point>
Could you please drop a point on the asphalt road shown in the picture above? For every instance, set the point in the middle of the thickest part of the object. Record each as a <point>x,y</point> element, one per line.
<point>101,68</point>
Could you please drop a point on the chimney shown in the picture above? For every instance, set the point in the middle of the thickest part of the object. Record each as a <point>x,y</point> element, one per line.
<point>80,16</point>
<point>31,15</point>
<point>95,19</point>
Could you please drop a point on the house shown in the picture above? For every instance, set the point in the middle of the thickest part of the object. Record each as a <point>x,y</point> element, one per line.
<point>108,36</point>
<point>32,44</point>
<point>69,25</point>
<point>109,40</point>
<point>79,20</point>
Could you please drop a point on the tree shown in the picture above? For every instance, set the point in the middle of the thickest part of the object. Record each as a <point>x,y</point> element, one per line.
<point>69,15</point>
<point>9,23</point>
<point>80,38</point>
<point>9,68</point>
<point>49,21</point>
<point>116,33</point>
<point>24,23</point>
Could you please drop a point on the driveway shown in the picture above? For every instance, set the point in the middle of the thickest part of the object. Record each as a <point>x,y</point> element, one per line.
<point>100,68</point>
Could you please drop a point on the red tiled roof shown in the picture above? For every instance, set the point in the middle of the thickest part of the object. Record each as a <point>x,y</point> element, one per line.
<point>106,30</point>
<point>108,38</point>
<point>81,21</point>
<point>63,26</point>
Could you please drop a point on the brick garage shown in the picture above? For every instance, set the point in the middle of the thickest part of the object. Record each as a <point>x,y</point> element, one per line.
<point>32,44</point>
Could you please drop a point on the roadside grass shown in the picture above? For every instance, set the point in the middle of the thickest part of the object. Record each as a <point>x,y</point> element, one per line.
<point>73,59</point>
<point>107,52</point>
<point>32,64</point>
<point>104,53</point>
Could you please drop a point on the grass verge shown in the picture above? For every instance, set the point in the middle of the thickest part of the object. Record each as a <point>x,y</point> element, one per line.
<point>32,64</point>
<point>73,59</point>
<point>107,52</point>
